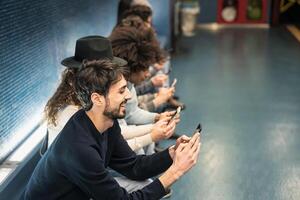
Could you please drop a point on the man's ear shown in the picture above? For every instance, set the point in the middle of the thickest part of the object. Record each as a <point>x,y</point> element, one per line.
<point>97,99</point>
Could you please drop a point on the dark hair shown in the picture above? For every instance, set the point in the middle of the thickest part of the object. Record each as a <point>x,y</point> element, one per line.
<point>134,21</point>
<point>96,76</point>
<point>144,12</point>
<point>132,45</point>
<point>63,96</point>
<point>123,6</point>
<point>149,34</point>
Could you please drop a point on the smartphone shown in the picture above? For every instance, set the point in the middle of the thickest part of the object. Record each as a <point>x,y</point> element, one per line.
<point>174,82</point>
<point>199,128</point>
<point>176,112</point>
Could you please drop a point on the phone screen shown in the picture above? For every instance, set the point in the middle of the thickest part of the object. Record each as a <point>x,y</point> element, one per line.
<point>199,128</point>
<point>174,82</point>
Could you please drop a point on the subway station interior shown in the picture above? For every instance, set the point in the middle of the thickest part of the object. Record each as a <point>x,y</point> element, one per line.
<point>209,108</point>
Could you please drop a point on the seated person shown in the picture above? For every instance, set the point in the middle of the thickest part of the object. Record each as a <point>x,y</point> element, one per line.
<point>75,166</point>
<point>63,104</point>
<point>151,102</point>
<point>130,44</point>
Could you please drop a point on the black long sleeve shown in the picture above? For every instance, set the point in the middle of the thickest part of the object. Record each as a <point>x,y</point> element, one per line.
<point>75,165</point>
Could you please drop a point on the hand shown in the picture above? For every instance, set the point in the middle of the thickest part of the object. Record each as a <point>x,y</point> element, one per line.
<point>168,92</point>
<point>159,80</point>
<point>161,130</point>
<point>158,66</point>
<point>186,155</point>
<point>166,115</point>
<point>182,139</point>
<point>162,96</point>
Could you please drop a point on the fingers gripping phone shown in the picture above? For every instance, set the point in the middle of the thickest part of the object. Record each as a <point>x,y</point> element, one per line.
<point>176,113</point>
<point>198,129</point>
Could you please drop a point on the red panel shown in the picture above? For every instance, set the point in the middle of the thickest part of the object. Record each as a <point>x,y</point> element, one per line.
<point>242,13</point>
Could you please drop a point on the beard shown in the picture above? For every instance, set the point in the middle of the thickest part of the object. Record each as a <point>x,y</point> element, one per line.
<point>114,113</point>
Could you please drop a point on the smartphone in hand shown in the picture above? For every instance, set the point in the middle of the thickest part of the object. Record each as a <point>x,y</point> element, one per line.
<point>199,128</point>
<point>176,113</point>
<point>174,82</point>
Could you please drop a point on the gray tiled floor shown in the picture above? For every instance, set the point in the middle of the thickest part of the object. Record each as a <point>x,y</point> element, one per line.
<point>243,85</point>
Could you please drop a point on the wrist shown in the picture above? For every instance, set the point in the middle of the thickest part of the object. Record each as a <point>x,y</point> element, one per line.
<point>175,171</point>
<point>172,151</point>
<point>169,177</point>
<point>153,136</point>
<point>157,101</point>
<point>156,118</point>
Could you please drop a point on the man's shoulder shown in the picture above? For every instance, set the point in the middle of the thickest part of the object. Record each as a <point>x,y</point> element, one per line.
<point>76,131</point>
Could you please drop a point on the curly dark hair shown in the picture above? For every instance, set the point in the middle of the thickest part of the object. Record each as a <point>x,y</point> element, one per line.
<point>132,45</point>
<point>96,76</point>
<point>144,12</point>
<point>123,6</point>
<point>63,96</point>
<point>150,34</point>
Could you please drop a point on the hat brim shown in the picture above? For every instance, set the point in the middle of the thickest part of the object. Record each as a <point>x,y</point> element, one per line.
<point>119,61</point>
<point>72,63</point>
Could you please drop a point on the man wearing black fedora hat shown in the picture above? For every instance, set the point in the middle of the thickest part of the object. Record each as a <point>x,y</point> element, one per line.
<point>75,165</point>
<point>64,103</point>
<point>92,48</point>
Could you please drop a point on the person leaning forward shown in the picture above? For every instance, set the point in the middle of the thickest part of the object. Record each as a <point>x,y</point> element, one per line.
<point>75,165</point>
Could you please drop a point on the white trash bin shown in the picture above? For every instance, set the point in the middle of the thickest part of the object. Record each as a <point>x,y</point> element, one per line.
<point>189,12</point>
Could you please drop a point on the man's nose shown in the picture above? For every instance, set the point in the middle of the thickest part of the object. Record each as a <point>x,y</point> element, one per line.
<point>128,94</point>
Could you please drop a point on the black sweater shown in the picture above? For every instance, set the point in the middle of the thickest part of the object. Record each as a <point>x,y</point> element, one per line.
<point>75,166</point>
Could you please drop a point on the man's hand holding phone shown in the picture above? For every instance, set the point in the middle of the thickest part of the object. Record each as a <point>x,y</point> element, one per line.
<point>185,156</point>
<point>184,140</point>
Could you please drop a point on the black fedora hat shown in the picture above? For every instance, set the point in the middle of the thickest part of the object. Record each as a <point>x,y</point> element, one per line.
<point>92,48</point>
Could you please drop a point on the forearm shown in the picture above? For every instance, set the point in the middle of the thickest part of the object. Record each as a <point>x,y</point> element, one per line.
<point>139,142</point>
<point>169,177</point>
<point>132,131</point>
<point>149,106</point>
<point>147,166</point>
<point>140,116</point>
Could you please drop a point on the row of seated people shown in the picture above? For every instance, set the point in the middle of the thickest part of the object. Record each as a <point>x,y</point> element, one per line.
<point>106,116</point>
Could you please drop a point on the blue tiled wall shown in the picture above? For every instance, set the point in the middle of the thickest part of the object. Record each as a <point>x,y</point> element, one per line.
<point>35,35</point>
<point>161,20</point>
